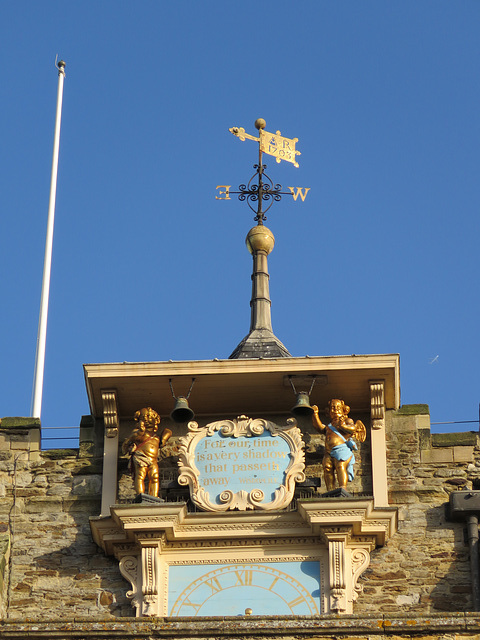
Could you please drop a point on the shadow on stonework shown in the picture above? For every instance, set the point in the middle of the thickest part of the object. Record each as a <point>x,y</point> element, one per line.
<point>423,569</point>
<point>447,563</point>
<point>59,570</point>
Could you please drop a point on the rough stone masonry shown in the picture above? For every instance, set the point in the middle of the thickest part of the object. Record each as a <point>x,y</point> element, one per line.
<point>55,582</point>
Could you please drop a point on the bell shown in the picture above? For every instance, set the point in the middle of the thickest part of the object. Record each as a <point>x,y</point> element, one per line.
<point>302,408</point>
<point>181,411</point>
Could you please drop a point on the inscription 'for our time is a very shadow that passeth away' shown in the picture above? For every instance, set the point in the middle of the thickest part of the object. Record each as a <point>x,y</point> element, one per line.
<point>242,463</point>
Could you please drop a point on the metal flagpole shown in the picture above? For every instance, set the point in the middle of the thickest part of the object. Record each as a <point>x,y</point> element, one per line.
<point>47,265</point>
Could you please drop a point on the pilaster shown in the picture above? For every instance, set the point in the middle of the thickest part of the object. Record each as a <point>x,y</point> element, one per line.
<point>110,450</point>
<point>379,445</point>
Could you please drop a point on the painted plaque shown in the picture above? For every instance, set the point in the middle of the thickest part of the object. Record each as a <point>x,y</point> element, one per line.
<point>267,588</point>
<point>241,464</point>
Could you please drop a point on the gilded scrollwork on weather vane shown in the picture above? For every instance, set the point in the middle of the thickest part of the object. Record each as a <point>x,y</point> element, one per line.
<point>260,189</point>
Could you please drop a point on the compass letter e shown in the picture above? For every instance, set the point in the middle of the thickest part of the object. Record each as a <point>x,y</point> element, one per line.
<point>226,193</point>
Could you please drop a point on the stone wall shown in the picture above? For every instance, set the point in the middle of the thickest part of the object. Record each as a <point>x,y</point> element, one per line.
<point>425,566</point>
<point>4,564</point>
<point>55,570</point>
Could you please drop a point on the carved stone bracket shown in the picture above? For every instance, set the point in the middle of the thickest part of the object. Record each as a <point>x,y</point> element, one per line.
<point>128,566</point>
<point>345,568</point>
<point>110,449</point>
<point>142,573</point>
<point>110,412</point>
<point>351,531</point>
<point>347,560</point>
<point>336,570</point>
<point>149,581</point>
<point>360,562</point>
<point>378,443</point>
<point>357,518</point>
<point>377,403</point>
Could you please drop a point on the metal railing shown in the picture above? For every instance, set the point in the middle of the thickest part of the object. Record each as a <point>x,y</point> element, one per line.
<point>458,422</point>
<point>72,441</point>
<point>62,441</point>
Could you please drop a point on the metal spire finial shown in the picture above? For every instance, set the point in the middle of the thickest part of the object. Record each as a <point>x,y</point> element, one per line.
<point>261,342</point>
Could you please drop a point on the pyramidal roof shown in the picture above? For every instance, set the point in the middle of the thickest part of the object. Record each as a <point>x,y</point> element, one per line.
<point>260,343</point>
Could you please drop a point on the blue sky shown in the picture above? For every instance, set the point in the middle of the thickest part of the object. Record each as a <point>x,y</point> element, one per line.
<point>147,265</point>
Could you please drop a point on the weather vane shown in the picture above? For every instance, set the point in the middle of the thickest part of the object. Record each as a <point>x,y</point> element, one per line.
<point>265,191</point>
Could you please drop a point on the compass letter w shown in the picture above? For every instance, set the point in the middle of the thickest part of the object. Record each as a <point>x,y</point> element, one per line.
<point>300,192</point>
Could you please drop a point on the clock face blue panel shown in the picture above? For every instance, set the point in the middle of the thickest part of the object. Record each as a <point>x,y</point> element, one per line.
<point>235,464</point>
<point>268,588</point>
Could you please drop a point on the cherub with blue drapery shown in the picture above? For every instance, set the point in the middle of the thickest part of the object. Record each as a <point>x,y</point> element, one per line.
<point>339,442</point>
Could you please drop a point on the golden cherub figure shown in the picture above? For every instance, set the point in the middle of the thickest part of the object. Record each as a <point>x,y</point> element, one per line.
<point>339,446</point>
<point>142,446</point>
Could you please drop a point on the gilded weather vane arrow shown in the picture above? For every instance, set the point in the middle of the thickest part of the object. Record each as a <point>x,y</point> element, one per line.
<point>275,145</point>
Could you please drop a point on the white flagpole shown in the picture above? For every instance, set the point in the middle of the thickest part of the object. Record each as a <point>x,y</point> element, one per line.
<point>47,265</point>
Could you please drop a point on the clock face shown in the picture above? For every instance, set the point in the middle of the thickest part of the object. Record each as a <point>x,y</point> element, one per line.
<point>270,588</point>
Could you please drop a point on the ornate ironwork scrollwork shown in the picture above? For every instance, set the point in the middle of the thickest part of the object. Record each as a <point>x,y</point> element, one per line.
<point>263,192</point>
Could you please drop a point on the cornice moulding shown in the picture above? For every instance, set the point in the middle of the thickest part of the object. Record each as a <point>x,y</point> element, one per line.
<point>349,519</point>
<point>170,367</point>
<point>224,387</point>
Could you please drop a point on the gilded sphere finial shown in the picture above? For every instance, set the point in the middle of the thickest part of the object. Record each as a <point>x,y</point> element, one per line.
<point>260,238</point>
<point>260,123</point>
